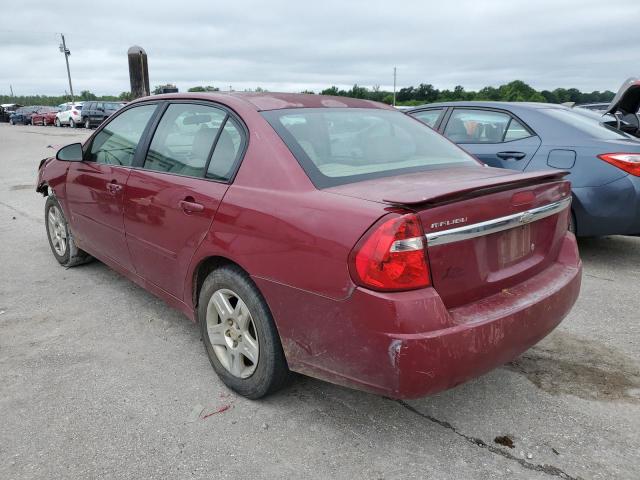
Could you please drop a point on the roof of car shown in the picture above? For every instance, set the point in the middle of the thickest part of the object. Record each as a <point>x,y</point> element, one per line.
<point>490,104</point>
<point>278,101</point>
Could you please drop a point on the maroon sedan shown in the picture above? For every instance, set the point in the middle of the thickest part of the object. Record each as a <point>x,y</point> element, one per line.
<point>45,116</point>
<point>334,237</point>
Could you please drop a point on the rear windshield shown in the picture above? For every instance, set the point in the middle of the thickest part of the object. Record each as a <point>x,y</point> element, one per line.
<point>78,107</point>
<point>588,122</point>
<point>342,145</point>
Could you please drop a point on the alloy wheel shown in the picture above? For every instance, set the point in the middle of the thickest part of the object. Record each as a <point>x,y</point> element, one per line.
<point>232,333</point>
<point>57,230</point>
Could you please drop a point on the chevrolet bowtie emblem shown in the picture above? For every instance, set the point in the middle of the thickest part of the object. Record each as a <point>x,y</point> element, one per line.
<point>526,217</point>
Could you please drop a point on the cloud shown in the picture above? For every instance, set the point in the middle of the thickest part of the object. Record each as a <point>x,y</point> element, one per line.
<point>295,45</point>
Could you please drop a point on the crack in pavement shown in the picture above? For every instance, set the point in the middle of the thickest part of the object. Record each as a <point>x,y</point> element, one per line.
<point>20,212</point>
<point>544,468</point>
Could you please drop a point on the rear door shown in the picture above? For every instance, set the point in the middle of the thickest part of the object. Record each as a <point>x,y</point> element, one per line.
<point>95,187</point>
<point>495,137</point>
<point>173,195</point>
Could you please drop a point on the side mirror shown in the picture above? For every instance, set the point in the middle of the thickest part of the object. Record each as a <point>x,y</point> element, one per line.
<point>70,153</point>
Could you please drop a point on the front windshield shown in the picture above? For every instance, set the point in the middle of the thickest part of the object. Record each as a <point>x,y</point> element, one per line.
<point>343,145</point>
<point>593,124</point>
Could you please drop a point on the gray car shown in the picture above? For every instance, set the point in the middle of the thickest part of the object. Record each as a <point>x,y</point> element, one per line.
<point>602,160</point>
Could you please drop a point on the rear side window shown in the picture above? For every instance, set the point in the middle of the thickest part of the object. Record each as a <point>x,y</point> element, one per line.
<point>227,151</point>
<point>342,145</point>
<point>184,139</point>
<point>482,126</point>
<point>430,117</point>
<point>515,131</point>
<point>116,143</point>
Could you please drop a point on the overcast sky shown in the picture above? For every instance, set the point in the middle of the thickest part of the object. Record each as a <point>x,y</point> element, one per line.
<point>293,45</point>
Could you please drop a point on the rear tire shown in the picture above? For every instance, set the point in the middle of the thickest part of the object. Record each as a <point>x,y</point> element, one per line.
<point>87,124</point>
<point>60,237</point>
<point>11,122</point>
<point>239,334</point>
<point>57,122</point>
<point>72,124</point>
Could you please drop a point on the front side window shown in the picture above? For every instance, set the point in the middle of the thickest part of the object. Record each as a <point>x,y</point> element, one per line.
<point>482,126</point>
<point>343,145</point>
<point>430,117</point>
<point>116,143</point>
<point>184,139</point>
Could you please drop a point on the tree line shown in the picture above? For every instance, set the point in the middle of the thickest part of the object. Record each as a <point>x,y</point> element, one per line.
<point>515,91</point>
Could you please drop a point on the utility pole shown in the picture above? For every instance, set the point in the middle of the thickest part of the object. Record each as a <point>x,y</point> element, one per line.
<point>394,86</point>
<point>11,88</point>
<point>65,50</point>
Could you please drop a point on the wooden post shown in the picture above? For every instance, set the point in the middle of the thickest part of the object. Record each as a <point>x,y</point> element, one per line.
<point>138,72</point>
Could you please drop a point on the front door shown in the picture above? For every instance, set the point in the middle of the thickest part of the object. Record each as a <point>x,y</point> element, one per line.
<point>170,202</point>
<point>95,187</point>
<point>494,137</point>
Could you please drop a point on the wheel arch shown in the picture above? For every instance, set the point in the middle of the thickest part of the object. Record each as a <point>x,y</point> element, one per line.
<point>201,270</point>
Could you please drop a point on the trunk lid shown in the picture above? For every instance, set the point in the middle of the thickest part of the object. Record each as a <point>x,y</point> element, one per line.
<point>487,229</point>
<point>627,99</point>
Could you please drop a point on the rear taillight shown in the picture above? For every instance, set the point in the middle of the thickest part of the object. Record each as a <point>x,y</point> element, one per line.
<point>391,256</point>
<point>75,112</point>
<point>629,162</point>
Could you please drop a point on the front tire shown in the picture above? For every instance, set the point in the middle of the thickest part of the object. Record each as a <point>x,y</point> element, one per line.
<point>239,334</point>
<point>60,238</point>
<point>87,124</point>
<point>57,122</point>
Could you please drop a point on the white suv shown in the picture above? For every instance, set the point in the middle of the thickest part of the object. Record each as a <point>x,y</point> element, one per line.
<point>69,114</point>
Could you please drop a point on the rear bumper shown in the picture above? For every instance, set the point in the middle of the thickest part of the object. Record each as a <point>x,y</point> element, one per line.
<point>407,345</point>
<point>611,209</point>
<point>487,334</point>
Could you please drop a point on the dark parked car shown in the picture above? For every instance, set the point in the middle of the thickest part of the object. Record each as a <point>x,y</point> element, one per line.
<point>96,112</point>
<point>45,116</point>
<point>334,237</point>
<point>603,161</point>
<point>23,115</point>
<point>6,109</point>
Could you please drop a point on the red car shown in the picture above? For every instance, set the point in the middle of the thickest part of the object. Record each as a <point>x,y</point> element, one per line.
<point>45,116</point>
<point>330,236</point>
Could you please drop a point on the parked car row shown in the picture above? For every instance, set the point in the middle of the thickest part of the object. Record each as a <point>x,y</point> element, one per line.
<point>72,114</point>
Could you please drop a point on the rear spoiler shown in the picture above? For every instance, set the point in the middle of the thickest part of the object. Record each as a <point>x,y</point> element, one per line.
<point>453,192</point>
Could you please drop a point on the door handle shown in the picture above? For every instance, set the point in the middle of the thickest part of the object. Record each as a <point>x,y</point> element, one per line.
<point>511,155</point>
<point>113,187</point>
<point>188,205</point>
